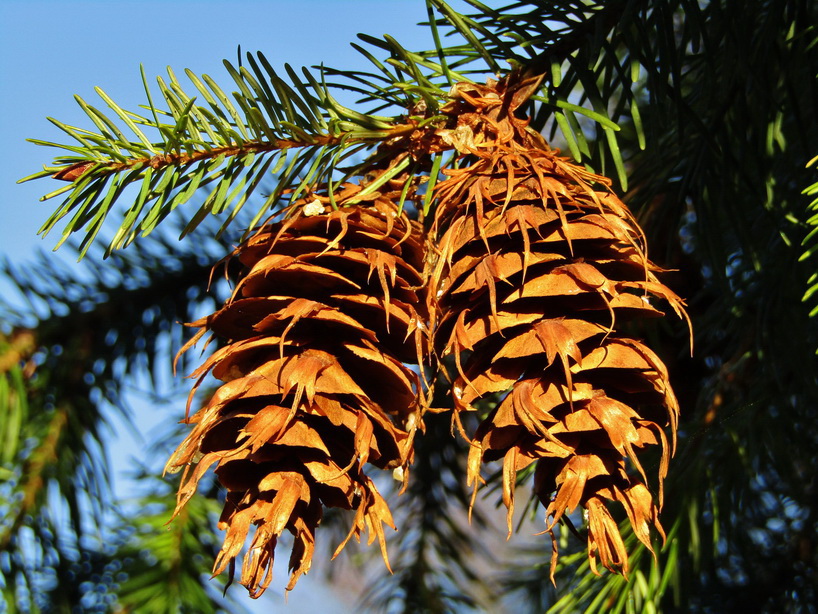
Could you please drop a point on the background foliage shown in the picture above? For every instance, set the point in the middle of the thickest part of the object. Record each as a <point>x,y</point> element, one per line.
<point>701,112</point>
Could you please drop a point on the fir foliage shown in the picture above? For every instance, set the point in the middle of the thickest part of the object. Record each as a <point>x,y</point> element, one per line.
<point>701,114</point>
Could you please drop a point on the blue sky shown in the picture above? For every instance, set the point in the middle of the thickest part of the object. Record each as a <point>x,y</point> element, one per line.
<point>50,51</point>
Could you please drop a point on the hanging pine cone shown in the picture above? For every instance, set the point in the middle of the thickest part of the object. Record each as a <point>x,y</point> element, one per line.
<point>535,273</point>
<point>315,387</point>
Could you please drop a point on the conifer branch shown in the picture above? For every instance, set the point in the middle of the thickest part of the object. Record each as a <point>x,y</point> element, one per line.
<point>599,23</point>
<point>158,162</point>
<point>34,476</point>
<point>293,131</point>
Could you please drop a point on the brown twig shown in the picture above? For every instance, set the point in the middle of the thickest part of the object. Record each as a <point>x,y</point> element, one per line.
<point>75,171</point>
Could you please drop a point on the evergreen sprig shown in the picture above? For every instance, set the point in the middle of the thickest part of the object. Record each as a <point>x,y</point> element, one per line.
<point>810,242</point>
<point>163,566</point>
<point>205,141</point>
<point>226,146</point>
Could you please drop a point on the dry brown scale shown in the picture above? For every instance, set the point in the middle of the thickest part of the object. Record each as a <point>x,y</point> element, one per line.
<point>533,265</point>
<point>314,387</point>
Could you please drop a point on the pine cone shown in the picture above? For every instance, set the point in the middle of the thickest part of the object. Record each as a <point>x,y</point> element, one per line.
<point>314,385</point>
<point>535,273</point>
